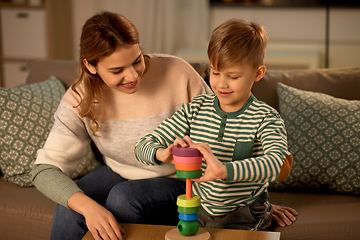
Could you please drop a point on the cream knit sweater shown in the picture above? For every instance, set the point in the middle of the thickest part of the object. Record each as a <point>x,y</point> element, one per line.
<point>168,82</point>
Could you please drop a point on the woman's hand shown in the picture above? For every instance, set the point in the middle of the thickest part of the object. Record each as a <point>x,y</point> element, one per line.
<point>284,216</point>
<point>100,222</point>
<point>214,168</point>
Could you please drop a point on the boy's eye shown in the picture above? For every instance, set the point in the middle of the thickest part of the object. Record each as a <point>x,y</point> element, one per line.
<point>234,77</point>
<point>215,73</point>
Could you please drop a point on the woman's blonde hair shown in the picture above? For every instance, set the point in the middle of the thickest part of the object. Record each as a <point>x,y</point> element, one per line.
<point>101,36</point>
<point>237,40</point>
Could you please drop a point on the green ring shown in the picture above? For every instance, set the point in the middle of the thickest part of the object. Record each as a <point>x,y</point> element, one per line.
<point>186,228</point>
<point>186,210</point>
<point>189,174</point>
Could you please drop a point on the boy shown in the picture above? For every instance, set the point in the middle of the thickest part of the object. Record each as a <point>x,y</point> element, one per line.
<point>243,140</point>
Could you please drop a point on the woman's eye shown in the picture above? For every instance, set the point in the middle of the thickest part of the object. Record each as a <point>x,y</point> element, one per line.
<point>137,62</point>
<point>118,72</point>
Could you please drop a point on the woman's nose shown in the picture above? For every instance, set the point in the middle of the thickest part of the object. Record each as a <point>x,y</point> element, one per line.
<point>131,74</point>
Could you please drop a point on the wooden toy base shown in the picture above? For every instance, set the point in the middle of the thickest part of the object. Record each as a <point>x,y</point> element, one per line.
<point>174,234</point>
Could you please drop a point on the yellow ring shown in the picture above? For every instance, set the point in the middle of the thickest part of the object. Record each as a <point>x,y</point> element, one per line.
<point>182,201</point>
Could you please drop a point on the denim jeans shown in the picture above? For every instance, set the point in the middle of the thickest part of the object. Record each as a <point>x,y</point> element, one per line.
<point>147,201</point>
<point>256,216</point>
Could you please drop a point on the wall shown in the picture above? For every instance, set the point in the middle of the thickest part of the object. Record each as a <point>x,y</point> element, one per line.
<point>297,36</point>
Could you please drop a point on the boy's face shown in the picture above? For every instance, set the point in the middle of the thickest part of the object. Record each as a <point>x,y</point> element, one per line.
<point>233,84</point>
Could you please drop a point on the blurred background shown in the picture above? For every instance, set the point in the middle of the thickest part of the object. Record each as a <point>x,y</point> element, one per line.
<point>303,34</point>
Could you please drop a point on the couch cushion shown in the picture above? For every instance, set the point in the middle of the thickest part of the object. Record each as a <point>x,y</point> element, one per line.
<point>341,83</point>
<point>324,138</point>
<point>321,216</point>
<point>25,213</point>
<point>65,70</point>
<point>25,122</point>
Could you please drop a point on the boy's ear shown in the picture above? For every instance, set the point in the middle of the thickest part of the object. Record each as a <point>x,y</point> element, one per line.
<point>260,73</point>
<point>90,67</point>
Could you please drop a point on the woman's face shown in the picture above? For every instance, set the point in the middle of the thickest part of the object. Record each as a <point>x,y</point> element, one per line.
<point>122,70</point>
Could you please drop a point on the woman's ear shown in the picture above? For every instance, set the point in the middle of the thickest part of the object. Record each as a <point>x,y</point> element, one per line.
<point>260,73</point>
<point>90,67</point>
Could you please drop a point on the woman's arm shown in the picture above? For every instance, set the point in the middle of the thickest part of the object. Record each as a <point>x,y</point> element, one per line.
<point>56,185</point>
<point>53,183</point>
<point>100,222</point>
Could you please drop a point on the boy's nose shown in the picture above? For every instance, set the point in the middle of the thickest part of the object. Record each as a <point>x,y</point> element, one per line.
<point>222,82</point>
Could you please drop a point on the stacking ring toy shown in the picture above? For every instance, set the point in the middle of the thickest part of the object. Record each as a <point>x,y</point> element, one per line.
<point>188,165</point>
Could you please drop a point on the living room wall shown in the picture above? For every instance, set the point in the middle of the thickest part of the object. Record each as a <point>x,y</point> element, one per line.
<point>297,35</point>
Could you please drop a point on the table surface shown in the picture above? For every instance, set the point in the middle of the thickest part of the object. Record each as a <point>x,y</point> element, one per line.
<point>157,232</point>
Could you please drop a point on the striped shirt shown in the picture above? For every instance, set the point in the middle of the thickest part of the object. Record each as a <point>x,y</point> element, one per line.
<point>251,142</point>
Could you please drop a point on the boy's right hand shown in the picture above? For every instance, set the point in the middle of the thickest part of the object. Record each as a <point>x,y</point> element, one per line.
<point>165,155</point>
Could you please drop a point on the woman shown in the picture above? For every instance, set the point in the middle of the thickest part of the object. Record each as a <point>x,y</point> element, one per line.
<point>120,95</point>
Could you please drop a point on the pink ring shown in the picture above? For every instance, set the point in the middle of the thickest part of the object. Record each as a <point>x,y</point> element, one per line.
<point>187,160</point>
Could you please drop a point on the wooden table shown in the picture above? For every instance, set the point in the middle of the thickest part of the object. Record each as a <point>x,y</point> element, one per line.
<point>157,232</point>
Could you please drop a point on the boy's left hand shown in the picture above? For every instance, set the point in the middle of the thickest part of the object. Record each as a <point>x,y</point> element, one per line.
<point>214,168</point>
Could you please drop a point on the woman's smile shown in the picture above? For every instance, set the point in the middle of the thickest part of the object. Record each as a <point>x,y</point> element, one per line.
<point>130,84</point>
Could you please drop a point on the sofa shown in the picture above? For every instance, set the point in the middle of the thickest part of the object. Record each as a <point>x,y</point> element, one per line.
<point>321,113</point>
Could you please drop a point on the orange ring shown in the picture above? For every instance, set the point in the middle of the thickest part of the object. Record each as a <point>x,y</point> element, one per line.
<point>187,167</point>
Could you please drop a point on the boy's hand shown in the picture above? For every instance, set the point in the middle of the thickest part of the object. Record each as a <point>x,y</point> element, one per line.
<point>214,168</point>
<point>284,216</point>
<point>185,142</point>
<point>165,155</point>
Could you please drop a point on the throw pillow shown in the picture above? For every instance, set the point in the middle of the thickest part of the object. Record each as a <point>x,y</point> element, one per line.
<point>324,138</point>
<point>26,119</point>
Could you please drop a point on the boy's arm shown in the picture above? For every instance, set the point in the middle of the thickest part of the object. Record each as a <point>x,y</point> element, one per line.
<point>274,165</point>
<point>163,137</point>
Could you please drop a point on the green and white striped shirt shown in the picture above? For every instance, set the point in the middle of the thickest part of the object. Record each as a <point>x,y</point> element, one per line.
<point>251,143</point>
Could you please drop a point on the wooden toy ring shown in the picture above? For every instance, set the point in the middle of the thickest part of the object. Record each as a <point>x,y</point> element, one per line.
<point>187,210</point>
<point>187,167</point>
<point>182,201</point>
<point>187,160</point>
<point>188,217</point>
<point>186,152</point>
<point>188,174</point>
<point>186,228</point>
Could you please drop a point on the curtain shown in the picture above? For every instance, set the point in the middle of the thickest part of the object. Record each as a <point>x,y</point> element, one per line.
<point>165,26</point>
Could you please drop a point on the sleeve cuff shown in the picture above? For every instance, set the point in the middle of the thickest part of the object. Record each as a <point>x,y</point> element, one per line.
<point>230,172</point>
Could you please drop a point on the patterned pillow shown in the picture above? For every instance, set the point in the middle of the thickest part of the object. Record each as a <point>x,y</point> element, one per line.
<point>26,118</point>
<point>324,138</point>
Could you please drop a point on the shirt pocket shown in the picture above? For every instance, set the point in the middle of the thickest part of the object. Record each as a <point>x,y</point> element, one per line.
<point>243,150</point>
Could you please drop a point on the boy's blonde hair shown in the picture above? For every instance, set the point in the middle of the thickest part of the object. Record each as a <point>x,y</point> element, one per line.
<point>235,41</point>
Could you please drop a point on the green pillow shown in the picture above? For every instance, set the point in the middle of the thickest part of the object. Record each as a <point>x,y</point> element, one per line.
<point>324,138</point>
<point>26,119</point>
